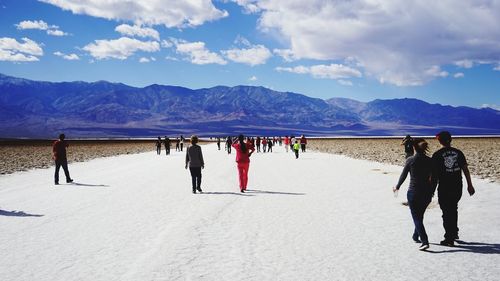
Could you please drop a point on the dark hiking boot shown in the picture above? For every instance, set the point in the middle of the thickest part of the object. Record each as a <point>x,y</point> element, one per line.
<point>69,181</point>
<point>448,243</point>
<point>199,189</point>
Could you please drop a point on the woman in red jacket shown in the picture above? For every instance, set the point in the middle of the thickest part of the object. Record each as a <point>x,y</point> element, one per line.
<point>243,153</point>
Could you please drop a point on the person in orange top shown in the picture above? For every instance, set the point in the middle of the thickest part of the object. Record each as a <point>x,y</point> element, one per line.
<point>59,156</point>
<point>243,153</point>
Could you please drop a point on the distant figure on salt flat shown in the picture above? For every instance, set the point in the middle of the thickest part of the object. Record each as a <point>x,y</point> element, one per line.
<point>243,153</point>
<point>182,142</point>
<point>264,144</point>
<point>303,142</point>
<point>229,143</point>
<point>420,191</point>
<point>257,142</point>
<point>286,141</point>
<point>194,159</point>
<point>449,163</point>
<point>59,156</point>
<point>270,144</point>
<point>158,146</point>
<point>408,144</point>
<point>280,140</point>
<point>166,142</point>
<point>218,143</point>
<point>177,141</point>
<point>296,147</point>
<point>292,142</point>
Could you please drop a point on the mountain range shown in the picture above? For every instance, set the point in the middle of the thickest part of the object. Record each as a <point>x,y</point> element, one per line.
<point>37,109</point>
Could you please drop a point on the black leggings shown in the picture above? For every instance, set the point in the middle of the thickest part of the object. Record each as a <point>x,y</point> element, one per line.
<point>195,177</point>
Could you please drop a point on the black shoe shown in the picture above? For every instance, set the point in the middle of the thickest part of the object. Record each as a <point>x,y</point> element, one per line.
<point>69,181</point>
<point>199,189</point>
<point>194,191</point>
<point>242,191</point>
<point>56,183</point>
<point>448,243</point>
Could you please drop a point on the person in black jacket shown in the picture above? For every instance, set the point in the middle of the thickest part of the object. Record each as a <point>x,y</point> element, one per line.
<point>420,190</point>
<point>408,144</point>
<point>158,146</point>
<point>59,156</point>
<point>194,159</point>
<point>449,163</point>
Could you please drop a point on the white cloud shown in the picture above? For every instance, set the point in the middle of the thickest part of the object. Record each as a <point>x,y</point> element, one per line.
<point>464,63</point>
<point>332,71</point>
<point>497,68</point>
<point>253,78</point>
<point>255,55</point>
<point>121,48</point>
<point>286,54</point>
<point>435,71</point>
<point>196,51</point>
<point>396,41</point>
<point>459,75</point>
<point>12,50</point>
<point>137,30</point>
<point>167,44</point>
<point>41,25</point>
<point>171,58</point>
<point>27,24</point>
<point>148,12</point>
<point>251,6</point>
<point>240,40</point>
<point>67,57</point>
<point>145,60</point>
<point>344,82</point>
<point>56,32</point>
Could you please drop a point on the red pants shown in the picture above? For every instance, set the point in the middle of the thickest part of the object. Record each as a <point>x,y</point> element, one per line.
<point>243,174</point>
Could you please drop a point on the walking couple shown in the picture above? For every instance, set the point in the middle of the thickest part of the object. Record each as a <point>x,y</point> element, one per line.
<point>444,168</point>
<point>194,160</point>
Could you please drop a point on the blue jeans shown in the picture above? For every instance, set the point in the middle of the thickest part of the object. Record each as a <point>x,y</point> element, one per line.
<point>418,204</point>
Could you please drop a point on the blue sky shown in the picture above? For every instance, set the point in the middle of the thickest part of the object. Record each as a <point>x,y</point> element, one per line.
<point>444,52</point>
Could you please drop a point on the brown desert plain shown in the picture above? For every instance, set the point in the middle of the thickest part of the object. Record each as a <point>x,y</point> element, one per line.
<point>483,154</point>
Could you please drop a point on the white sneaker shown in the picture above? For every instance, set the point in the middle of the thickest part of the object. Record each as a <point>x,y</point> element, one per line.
<point>423,247</point>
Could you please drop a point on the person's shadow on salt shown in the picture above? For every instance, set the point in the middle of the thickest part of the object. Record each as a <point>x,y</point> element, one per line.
<point>88,185</point>
<point>469,247</point>
<point>17,214</point>
<point>273,192</point>
<point>225,193</point>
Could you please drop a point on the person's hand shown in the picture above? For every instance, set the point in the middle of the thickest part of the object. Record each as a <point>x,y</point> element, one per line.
<point>471,190</point>
<point>203,166</point>
<point>394,189</point>
<point>186,167</point>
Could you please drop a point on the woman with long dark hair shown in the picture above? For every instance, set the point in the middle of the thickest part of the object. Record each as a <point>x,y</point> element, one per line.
<point>243,153</point>
<point>420,190</point>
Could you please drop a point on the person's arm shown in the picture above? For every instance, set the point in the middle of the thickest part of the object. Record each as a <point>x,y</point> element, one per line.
<point>403,176</point>
<point>434,175</point>
<point>201,159</point>
<point>187,157</point>
<point>470,187</point>
<point>251,149</point>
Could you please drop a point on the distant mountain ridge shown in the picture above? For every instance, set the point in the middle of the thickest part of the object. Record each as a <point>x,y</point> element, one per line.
<point>38,109</point>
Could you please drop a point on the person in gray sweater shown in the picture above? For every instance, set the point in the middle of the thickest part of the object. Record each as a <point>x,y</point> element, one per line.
<point>194,159</point>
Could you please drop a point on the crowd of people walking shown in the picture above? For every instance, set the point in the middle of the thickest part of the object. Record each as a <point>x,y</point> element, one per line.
<point>443,171</point>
